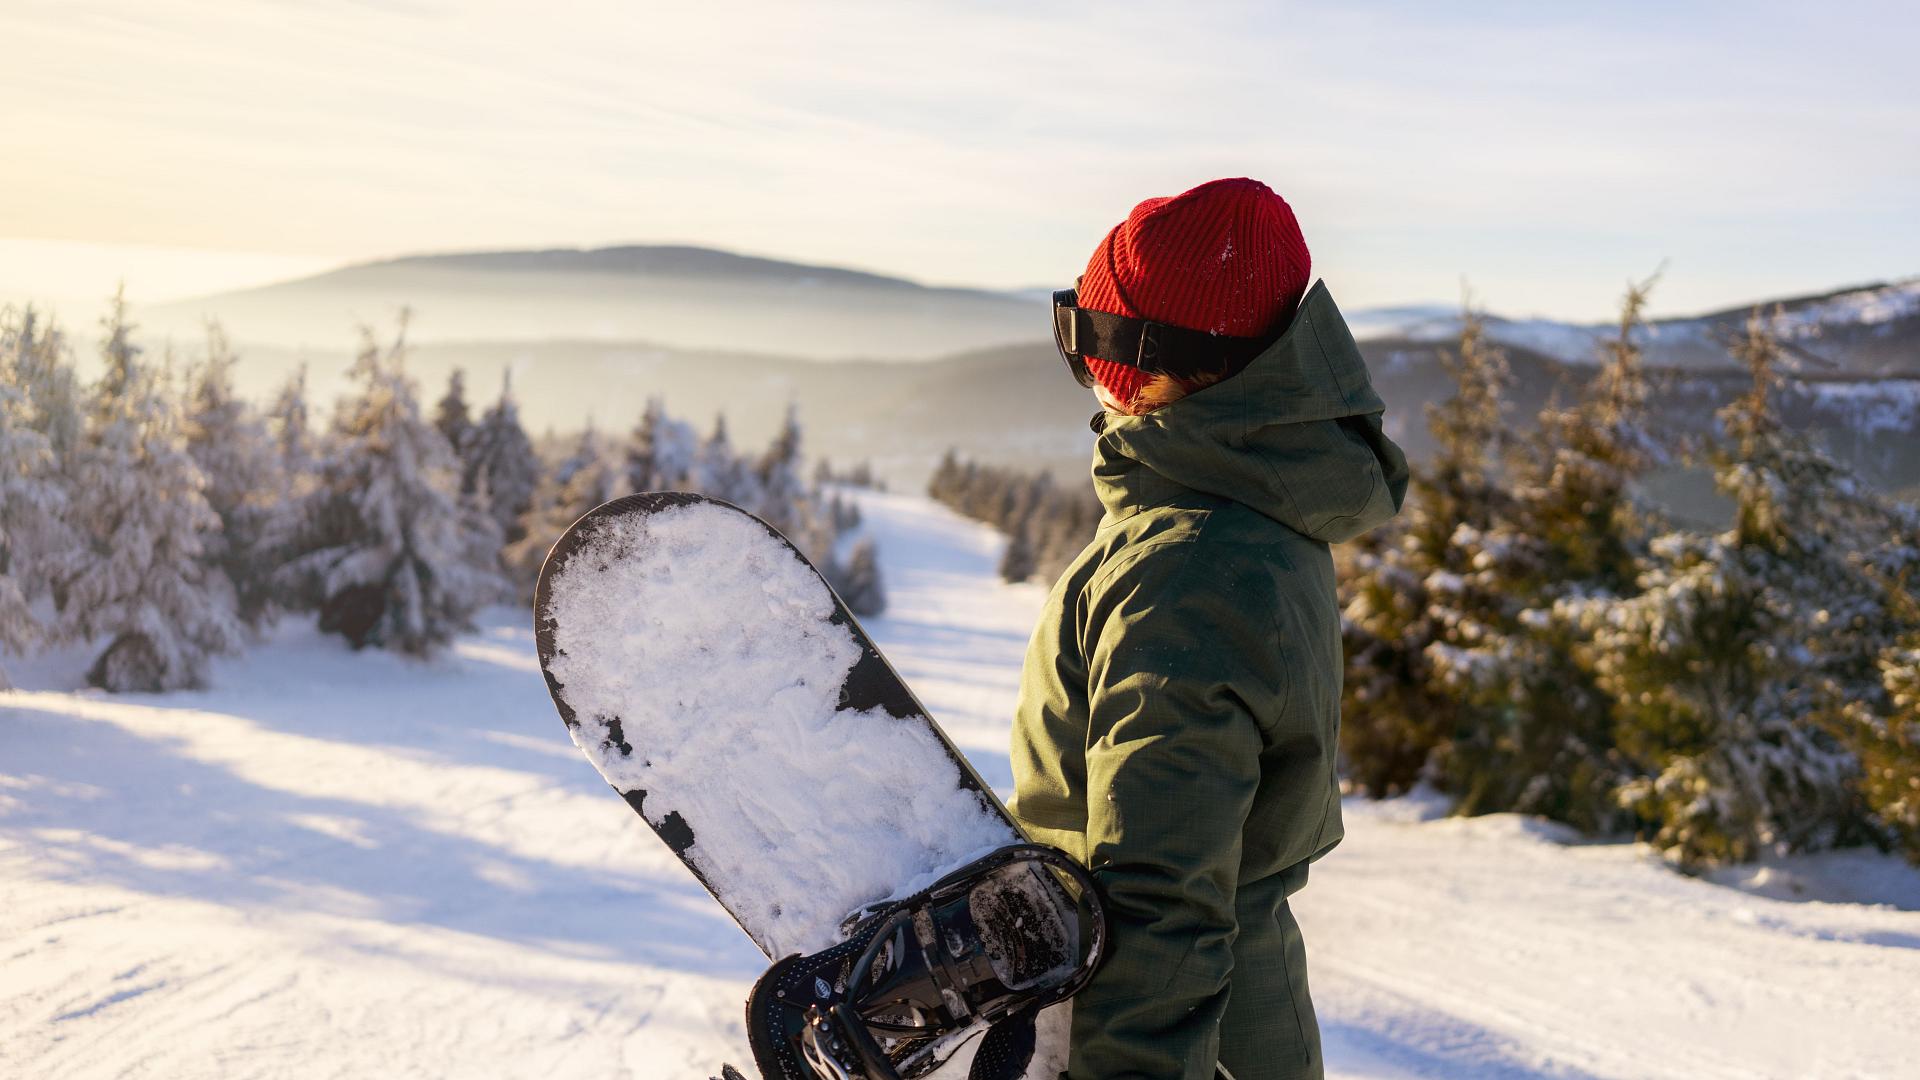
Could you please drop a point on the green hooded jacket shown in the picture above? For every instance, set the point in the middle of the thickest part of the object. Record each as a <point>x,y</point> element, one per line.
<point>1180,705</point>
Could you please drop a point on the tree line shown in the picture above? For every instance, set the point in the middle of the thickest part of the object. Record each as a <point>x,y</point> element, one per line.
<point>156,515</point>
<point>1046,523</point>
<point>1531,635</point>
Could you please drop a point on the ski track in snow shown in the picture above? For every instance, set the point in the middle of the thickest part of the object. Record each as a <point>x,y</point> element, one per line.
<point>341,865</point>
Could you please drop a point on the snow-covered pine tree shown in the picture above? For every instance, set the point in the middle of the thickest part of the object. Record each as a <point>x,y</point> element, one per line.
<point>289,425</point>
<point>859,582</point>
<point>138,578</point>
<point>35,352</point>
<point>1540,725</point>
<point>1576,482</point>
<point>717,471</point>
<point>1423,597</point>
<point>1017,562</point>
<point>592,474</point>
<point>783,498</point>
<point>662,453</point>
<point>451,417</point>
<point>244,481</point>
<point>33,499</point>
<point>501,468</point>
<point>388,551</point>
<point>1887,738</point>
<point>641,473</point>
<point>1733,667</point>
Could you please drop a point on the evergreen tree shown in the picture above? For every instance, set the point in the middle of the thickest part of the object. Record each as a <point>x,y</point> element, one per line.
<point>1736,668</point>
<point>387,550</point>
<point>718,471</point>
<point>33,499</point>
<point>1459,671</point>
<point>662,453</point>
<point>593,474</point>
<point>35,354</point>
<point>501,468</point>
<point>1017,562</point>
<point>783,500</point>
<point>641,473</point>
<point>1419,599</point>
<point>450,416</point>
<point>138,577</point>
<point>859,584</point>
<point>289,426</point>
<point>1885,734</point>
<point>244,481</point>
<point>1538,724</point>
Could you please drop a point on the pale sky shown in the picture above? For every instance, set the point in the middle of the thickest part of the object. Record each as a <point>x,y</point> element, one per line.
<point>1546,151</point>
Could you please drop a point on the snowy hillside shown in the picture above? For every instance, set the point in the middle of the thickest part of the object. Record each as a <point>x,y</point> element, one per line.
<point>1863,331</point>
<point>339,864</point>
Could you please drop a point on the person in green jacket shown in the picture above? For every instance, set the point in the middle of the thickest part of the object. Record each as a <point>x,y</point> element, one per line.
<point>1180,705</point>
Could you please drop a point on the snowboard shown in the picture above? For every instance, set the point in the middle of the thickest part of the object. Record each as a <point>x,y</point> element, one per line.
<point>715,680</point>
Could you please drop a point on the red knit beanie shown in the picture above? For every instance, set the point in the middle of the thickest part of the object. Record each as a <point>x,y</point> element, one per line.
<point>1226,257</point>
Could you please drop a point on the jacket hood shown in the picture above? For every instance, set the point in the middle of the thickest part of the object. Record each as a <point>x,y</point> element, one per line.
<point>1296,435</point>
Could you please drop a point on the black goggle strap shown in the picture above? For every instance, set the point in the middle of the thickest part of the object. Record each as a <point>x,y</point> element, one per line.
<point>1152,347</point>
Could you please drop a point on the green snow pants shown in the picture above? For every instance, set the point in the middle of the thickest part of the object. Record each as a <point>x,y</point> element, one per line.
<point>1268,1032</point>
<point>1266,1026</point>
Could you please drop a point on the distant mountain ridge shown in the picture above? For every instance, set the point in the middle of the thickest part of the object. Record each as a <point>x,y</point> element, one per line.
<point>647,260</point>
<point>592,333</point>
<point>691,297</point>
<point>1864,330</point>
<point>676,296</point>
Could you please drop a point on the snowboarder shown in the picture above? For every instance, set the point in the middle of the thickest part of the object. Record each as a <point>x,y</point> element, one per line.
<point>1179,708</point>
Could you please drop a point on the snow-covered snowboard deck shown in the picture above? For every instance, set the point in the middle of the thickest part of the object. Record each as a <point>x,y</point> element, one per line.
<point>715,680</point>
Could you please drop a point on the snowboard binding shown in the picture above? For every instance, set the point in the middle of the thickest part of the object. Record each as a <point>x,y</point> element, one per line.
<point>984,948</point>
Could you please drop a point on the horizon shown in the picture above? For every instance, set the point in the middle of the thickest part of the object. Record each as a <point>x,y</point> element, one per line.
<point>228,272</point>
<point>1546,157</point>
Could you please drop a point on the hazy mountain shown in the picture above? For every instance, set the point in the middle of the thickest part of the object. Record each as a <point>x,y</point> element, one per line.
<point>683,297</point>
<point>593,334</point>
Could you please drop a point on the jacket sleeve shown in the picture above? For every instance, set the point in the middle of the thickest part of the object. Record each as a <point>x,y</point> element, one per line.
<point>1180,668</point>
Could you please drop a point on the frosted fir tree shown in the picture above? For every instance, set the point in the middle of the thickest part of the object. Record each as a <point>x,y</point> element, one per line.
<point>1426,604</point>
<point>138,578</point>
<point>244,480</point>
<point>33,504</point>
<point>501,468</point>
<point>1885,733</point>
<point>1537,728</point>
<point>1735,667</point>
<point>34,352</point>
<point>642,474</point>
<point>719,473</point>
<point>858,583</point>
<point>1017,562</point>
<point>662,453</point>
<point>451,416</point>
<point>289,426</point>
<point>388,552</point>
<point>1577,481</point>
<point>594,473</point>
<point>783,498</point>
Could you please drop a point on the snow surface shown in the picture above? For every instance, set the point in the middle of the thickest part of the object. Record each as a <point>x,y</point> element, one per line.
<point>709,642</point>
<point>349,865</point>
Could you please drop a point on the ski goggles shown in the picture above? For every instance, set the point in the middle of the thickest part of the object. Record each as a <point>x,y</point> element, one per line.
<point>1153,347</point>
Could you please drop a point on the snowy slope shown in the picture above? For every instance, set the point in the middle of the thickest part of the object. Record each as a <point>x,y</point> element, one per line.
<point>339,865</point>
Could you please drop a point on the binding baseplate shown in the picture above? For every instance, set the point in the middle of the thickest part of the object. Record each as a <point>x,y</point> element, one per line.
<point>982,949</point>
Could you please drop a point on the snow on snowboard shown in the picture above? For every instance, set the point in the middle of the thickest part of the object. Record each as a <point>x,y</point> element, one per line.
<point>715,680</point>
